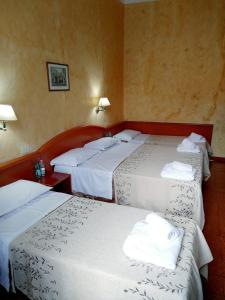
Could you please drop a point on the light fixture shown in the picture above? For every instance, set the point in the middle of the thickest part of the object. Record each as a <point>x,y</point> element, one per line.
<point>102,104</point>
<point>6,114</point>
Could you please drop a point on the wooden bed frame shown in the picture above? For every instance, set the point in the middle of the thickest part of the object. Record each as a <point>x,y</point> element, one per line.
<point>69,139</point>
<point>176,129</point>
<point>23,167</point>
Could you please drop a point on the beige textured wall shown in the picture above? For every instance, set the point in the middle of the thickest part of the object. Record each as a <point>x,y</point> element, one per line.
<point>87,35</point>
<point>175,63</point>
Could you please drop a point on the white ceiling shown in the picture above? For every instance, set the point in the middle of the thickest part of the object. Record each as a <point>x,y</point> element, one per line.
<point>135,1</point>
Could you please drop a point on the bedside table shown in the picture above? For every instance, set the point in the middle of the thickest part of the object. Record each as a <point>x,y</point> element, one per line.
<point>59,182</point>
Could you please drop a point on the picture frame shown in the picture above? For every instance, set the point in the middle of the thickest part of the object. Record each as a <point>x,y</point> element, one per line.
<point>58,77</point>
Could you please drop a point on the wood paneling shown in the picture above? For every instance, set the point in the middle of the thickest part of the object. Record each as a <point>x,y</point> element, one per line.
<point>22,167</point>
<point>72,138</point>
<point>172,128</point>
<point>114,129</point>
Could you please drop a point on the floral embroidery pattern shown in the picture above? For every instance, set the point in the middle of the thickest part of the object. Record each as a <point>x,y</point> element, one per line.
<point>43,255</point>
<point>48,236</point>
<point>162,279</point>
<point>183,197</point>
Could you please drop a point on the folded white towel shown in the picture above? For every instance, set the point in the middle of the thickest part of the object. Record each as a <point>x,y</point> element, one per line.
<point>181,166</point>
<point>160,230</point>
<point>196,138</point>
<point>169,171</point>
<point>140,246</point>
<point>188,146</point>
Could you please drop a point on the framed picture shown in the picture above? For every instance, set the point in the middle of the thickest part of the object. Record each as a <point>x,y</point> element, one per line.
<point>58,77</point>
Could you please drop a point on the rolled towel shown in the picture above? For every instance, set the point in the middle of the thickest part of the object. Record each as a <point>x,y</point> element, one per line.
<point>169,171</point>
<point>196,138</point>
<point>160,230</point>
<point>188,146</point>
<point>139,246</point>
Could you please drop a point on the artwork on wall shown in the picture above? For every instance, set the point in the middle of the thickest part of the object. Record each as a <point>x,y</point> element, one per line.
<point>58,77</point>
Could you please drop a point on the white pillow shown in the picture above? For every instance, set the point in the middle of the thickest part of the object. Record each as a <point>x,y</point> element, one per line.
<point>101,144</point>
<point>19,193</point>
<point>126,135</point>
<point>73,157</point>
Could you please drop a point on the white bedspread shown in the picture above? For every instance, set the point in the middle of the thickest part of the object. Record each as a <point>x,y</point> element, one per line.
<point>168,140</point>
<point>94,177</point>
<point>76,253</point>
<point>17,221</point>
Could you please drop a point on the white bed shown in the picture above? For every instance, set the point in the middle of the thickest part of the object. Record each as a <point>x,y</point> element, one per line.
<point>17,221</point>
<point>167,140</point>
<point>74,251</point>
<point>112,174</point>
<point>94,177</point>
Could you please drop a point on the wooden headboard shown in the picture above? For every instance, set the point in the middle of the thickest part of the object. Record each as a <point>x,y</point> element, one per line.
<point>22,167</point>
<point>114,129</point>
<point>69,139</point>
<point>161,128</point>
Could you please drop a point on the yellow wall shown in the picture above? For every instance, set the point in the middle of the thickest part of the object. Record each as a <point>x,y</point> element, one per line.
<point>175,63</point>
<point>87,35</point>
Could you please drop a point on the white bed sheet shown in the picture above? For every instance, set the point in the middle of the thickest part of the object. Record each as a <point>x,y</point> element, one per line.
<point>140,138</point>
<point>20,219</point>
<point>94,177</point>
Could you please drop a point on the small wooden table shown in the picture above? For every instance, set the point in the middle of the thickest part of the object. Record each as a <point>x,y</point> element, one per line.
<point>60,182</point>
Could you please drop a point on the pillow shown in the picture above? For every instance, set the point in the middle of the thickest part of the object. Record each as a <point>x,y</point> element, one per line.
<point>101,144</point>
<point>19,193</point>
<point>126,135</point>
<point>73,157</point>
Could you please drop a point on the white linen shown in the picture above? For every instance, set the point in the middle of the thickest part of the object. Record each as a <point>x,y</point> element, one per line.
<point>140,245</point>
<point>175,141</point>
<point>126,135</point>
<point>101,144</point>
<point>188,146</point>
<point>140,138</point>
<point>24,189</point>
<point>17,221</point>
<point>179,171</point>
<point>90,239</point>
<point>160,230</point>
<point>94,177</point>
<point>73,157</point>
<point>182,166</point>
<point>196,138</point>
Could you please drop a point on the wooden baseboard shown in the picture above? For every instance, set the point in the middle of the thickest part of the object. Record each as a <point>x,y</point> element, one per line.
<point>219,159</point>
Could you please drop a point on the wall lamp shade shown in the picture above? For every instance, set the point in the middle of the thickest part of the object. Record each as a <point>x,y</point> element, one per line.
<point>102,104</point>
<point>6,114</point>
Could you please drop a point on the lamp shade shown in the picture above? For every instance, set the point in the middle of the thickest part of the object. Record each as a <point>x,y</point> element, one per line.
<point>7,113</point>
<point>104,102</point>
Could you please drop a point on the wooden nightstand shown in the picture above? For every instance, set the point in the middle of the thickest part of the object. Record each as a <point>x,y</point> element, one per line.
<point>59,182</point>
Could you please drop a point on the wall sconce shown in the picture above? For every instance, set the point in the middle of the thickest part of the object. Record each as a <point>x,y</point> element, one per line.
<point>102,104</point>
<point>6,114</point>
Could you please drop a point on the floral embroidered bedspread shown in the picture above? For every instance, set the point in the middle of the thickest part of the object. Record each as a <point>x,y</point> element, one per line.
<point>76,253</point>
<point>138,183</point>
<point>175,141</point>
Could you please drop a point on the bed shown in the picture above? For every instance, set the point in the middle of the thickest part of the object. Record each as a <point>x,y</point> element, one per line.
<point>130,173</point>
<point>73,250</point>
<point>136,137</point>
<point>94,177</point>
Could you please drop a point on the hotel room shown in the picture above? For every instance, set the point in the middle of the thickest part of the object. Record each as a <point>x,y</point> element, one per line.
<point>112,149</point>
